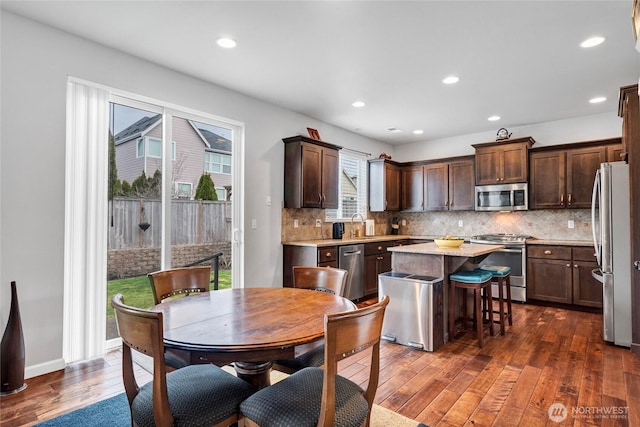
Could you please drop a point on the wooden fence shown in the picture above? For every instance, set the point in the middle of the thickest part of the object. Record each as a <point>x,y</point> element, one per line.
<point>193,222</point>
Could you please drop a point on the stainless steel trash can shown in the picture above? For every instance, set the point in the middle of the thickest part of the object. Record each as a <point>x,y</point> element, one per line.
<point>414,315</point>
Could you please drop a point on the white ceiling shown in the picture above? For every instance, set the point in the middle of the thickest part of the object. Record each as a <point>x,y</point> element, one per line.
<point>516,59</point>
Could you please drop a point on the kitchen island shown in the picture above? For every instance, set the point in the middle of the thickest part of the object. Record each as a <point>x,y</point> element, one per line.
<point>427,259</point>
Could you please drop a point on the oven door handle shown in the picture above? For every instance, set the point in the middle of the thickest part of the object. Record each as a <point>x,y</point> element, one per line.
<point>511,251</point>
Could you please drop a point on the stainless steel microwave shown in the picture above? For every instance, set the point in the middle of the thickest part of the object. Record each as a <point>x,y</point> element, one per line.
<point>502,197</point>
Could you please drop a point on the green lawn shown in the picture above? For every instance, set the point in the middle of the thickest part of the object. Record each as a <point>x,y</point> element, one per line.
<point>137,290</point>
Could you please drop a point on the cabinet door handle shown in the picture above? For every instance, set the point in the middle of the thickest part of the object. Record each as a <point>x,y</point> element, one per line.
<point>328,255</point>
<point>379,248</point>
<point>547,252</point>
<point>568,265</point>
<point>561,199</point>
<point>575,265</point>
<point>380,258</point>
<point>570,199</point>
<point>636,264</point>
<point>497,179</point>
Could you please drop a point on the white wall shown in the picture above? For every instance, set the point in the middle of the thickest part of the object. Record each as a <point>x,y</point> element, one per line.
<point>35,63</point>
<point>586,128</point>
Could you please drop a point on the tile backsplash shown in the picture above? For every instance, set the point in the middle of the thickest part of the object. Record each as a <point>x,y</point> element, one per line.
<point>543,224</point>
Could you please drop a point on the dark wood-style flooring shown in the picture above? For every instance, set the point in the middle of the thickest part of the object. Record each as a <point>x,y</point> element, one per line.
<point>550,355</point>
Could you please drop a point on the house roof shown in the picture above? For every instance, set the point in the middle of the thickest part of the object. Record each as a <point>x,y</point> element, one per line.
<point>136,129</point>
<point>216,142</point>
<point>213,141</point>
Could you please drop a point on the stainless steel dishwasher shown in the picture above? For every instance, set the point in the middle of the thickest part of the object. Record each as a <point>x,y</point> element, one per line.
<point>351,258</point>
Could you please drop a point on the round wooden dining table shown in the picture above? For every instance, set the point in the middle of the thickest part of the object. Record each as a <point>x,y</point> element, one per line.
<point>249,327</point>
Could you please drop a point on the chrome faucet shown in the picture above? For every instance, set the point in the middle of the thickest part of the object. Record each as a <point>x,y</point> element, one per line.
<point>353,232</point>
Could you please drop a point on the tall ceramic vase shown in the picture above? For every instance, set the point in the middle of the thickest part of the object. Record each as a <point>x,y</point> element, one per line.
<point>12,350</point>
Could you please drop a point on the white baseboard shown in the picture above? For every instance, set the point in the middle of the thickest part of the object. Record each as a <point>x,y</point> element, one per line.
<point>44,368</point>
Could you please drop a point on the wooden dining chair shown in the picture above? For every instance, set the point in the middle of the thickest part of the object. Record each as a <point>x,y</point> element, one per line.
<point>321,397</point>
<point>178,281</point>
<point>194,395</point>
<point>323,279</point>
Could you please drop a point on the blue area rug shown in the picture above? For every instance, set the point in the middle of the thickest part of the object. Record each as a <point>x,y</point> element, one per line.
<point>114,412</point>
<point>111,412</point>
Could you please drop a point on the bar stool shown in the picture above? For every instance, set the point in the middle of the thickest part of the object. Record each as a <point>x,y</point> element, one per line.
<point>478,281</point>
<point>501,276</point>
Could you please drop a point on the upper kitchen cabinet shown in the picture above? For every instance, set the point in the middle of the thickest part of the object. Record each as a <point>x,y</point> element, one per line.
<point>503,162</point>
<point>628,110</point>
<point>384,185</point>
<point>562,176</point>
<point>311,173</point>
<point>438,186</point>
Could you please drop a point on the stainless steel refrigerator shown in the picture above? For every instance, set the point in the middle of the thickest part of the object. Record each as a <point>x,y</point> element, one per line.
<point>610,219</point>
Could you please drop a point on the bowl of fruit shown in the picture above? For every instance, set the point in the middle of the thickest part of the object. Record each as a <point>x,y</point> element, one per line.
<point>449,242</point>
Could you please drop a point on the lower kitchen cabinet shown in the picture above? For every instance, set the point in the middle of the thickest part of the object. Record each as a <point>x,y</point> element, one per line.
<point>562,274</point>
<point>376,260</point>
<point>326,256</point>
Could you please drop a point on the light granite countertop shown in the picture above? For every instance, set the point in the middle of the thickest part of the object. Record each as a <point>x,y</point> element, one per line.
<point>390,237</point>
<point>355,240</point>
<point>468,250</point>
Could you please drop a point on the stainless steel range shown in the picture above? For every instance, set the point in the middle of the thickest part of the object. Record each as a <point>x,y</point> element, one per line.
<point>514,255</point>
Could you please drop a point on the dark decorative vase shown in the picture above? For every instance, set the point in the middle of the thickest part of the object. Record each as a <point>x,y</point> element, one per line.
<point>12,350</point>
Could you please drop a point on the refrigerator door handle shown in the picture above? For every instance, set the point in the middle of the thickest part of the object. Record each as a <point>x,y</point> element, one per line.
<point>596,273</point>
<point>594,197</point>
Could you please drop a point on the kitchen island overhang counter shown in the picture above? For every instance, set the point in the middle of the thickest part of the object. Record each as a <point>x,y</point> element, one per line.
<point>427,259</point>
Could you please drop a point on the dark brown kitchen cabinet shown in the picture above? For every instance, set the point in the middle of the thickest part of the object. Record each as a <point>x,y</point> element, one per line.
<point>562,274</point>
<point>563,177</point>
<point>377,260</point>
<point>326,256</point>
<point>311,173</point>
<point>439,186</point>
<point>412,183</point>
<point>503,162</point>
<point>629,110</point>
<point>384,185</point>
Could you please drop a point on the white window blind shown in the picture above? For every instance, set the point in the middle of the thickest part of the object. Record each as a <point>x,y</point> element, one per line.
<point>352,197</point>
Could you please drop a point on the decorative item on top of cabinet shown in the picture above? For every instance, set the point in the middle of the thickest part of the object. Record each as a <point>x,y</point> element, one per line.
<point>562,175</point>
<point>384,185</point>
<point>446,184</point>
<point>503,162</point>
<point>311,173</point>
<point>562,274</point>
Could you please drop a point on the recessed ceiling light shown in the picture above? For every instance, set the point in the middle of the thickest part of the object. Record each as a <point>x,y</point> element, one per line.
<point>593,41</point>
<point>450,80</point>
<point>394,130</point>
<point>226,42</point>
<point>597,99</point>
<point>494,118</point>
<point>358,104</point>
<point>418,132</point>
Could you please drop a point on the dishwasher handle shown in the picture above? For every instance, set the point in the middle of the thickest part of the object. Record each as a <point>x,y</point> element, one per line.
<point>351,253</point>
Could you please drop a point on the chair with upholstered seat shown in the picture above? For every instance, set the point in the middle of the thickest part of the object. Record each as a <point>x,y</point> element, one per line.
<point>194,395</point>
<point>178,281</point>
<point>479,282</point>
<point>323,279</point>
<point>316,396</point>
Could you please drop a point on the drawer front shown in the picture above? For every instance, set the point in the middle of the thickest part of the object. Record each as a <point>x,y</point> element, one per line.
<point>584,254</point>
<point>550,252</point>
<point>326,254</point>
<point>376,248</point>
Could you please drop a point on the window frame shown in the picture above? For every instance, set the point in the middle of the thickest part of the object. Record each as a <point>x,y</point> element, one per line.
<point>338,215</point>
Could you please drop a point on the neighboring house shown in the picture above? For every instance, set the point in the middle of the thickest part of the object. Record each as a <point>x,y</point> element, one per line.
<point>194,150</point>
